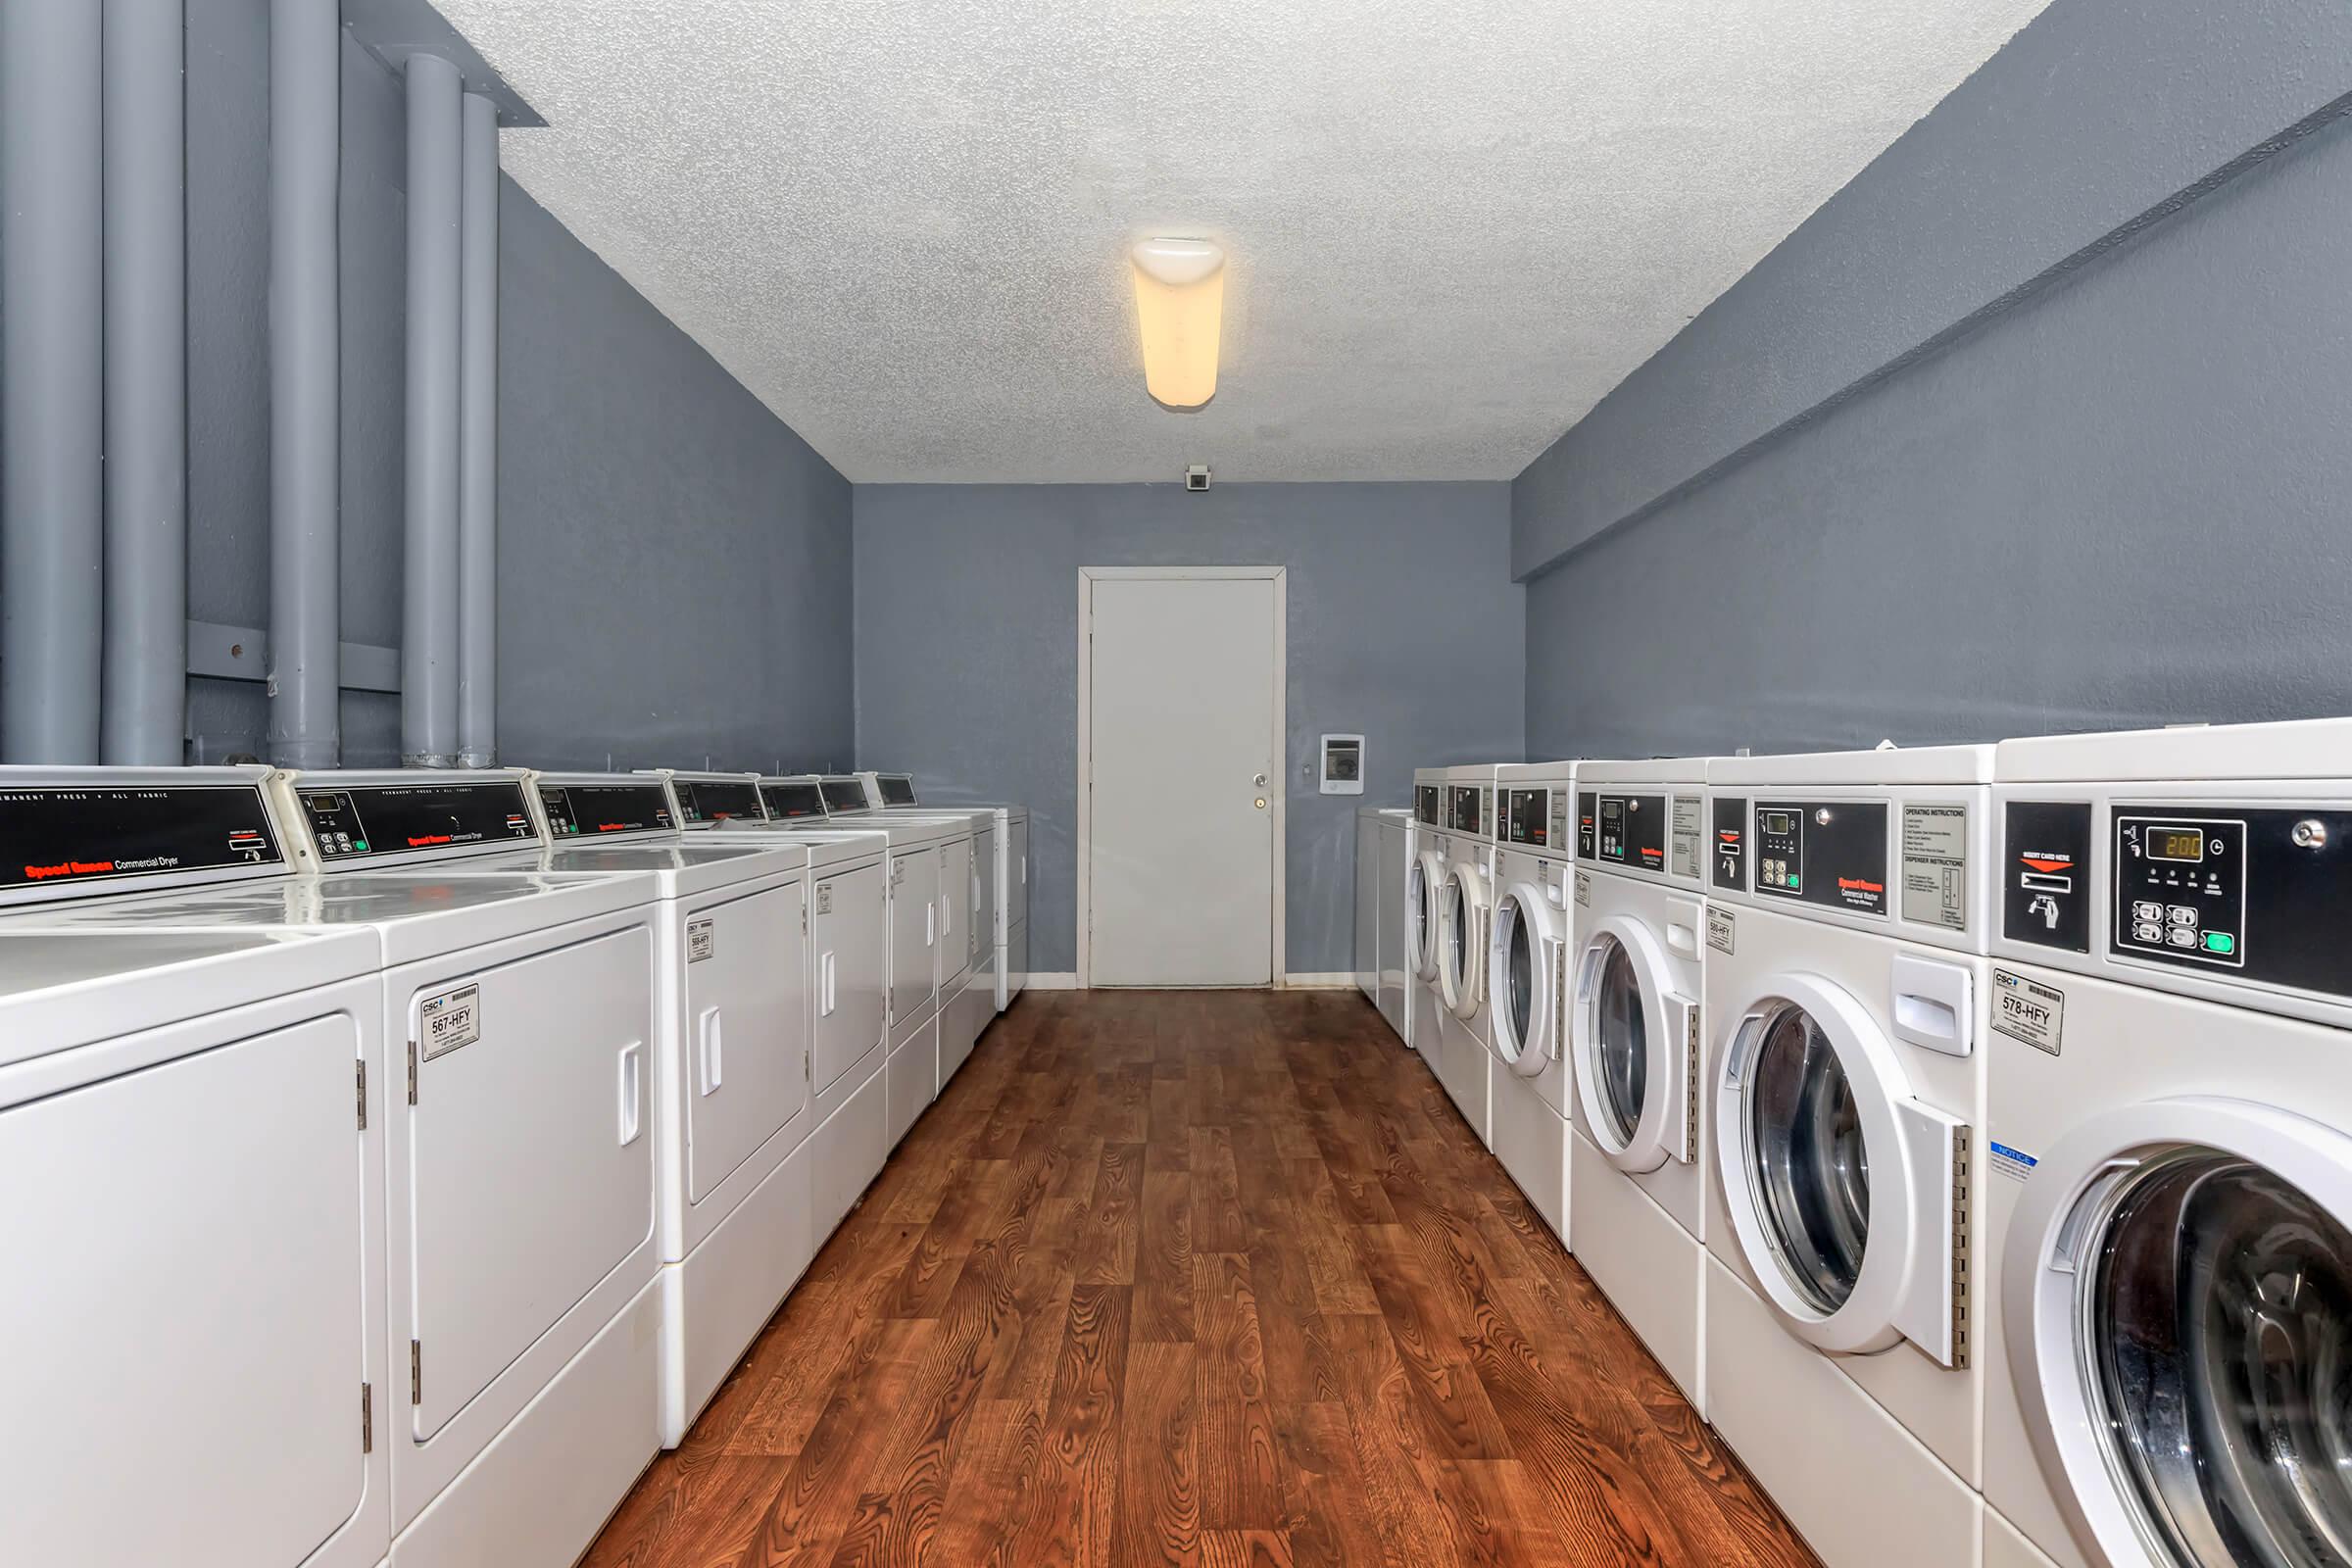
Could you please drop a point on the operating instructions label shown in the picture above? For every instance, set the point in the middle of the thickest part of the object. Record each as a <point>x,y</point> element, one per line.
<point>1935,865</point>
<point>1689,835</point>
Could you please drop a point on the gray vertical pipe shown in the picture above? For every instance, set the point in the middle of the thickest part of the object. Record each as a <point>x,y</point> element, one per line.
<point>305,547</point>
<point>477,443</point>
<point>52,405</point>
<point>428,646</point>
<point>146,620</point>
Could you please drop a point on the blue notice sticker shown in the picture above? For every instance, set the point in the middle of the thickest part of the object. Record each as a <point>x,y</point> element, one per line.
<point>2012,1163</point>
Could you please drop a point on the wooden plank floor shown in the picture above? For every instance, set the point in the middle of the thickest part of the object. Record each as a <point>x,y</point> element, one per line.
<point>1195,1277</point>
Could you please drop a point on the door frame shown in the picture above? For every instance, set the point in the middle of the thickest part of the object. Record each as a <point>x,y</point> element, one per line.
<point>1277,775</point>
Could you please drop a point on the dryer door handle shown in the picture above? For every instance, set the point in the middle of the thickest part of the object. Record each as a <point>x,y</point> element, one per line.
<point>632,1091</point>
<point>713,1044</point>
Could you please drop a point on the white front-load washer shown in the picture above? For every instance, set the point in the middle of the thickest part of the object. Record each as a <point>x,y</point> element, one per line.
<point>1847,1078</point>
<point>733,1103</point>
<point>1424,882</point>
<point>192,1130</point>
<point>523,1304</point>
<point>1528,943</point>
<point>1464,1060</point>
<point>2168,1254</point>
<point>1367,902</point>
<point>1389,880</point>
<point>1641,1157</point>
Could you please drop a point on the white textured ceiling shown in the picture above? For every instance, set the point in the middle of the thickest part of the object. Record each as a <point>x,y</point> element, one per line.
<point>1453,226</point>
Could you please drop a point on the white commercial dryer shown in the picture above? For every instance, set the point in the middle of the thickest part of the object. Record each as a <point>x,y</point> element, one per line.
<point>2168,1258</point>
<point>970,953</point>
<point>1843,973</point>
<point>1464,1058</point>
<point>192,1129</point>
<point>523,1307</point>
<point>1527,958</point>
<point>732,1082</point>
<point>1640,1161</point>
<point>927,859</point>
<point>1424,882</point>
<point>1005,874</point>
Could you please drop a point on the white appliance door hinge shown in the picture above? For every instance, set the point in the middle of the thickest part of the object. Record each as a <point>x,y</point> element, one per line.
<point>415,1372</point>
<point>1934,1312</point>
<point>412,1072</point>
<point>363,1097</point>
<point>366,1418</point>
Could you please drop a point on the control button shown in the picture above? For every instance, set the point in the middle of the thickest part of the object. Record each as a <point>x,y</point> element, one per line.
<point>2181,914</point>
<point>2221,942</point>
<point>2182,937</point>
<point>2145,911</point>
<point>2147,931</point>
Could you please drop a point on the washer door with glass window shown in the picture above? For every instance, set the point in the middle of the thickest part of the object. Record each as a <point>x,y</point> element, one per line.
<point>1841,1187</point>
<point>2178,1295</point>
<point>1521,955</point>
<point>1462,927</point>
<point>1424,884</point>
<point>1633,1042</point>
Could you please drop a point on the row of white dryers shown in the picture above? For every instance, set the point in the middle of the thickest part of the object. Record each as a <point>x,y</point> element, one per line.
<point>392,1169</point>
<point>1968,1130</point>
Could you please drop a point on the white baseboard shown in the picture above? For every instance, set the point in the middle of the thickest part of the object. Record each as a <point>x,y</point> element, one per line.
<point>1058,980</point>
<point>1345,980</point>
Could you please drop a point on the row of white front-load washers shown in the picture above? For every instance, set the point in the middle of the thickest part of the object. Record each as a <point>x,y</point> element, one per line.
<point>1968,1130</point>
<point>513,1102</point>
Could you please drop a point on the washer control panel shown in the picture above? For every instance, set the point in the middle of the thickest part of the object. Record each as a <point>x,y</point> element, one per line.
<point>593,811</point>
<point>2260,892</point>
<point>1627,830</point>
<point>1535,815</point>
<point>1467,807</point>
<point>1429,804</point>
<point>1728,868</point>
<point>354,824</point>
<point>1827,853</point>
<point>787,799</point>
<point>64,834</point>
<point>718,800</point>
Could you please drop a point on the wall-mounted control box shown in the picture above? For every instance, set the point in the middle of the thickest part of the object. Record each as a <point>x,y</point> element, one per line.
<point>1343,765</point>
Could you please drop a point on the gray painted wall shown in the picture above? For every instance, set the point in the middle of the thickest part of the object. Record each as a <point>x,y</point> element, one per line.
<point>968,652</point>
<point>2098,119</point>
<point>2116,500</point>
<point>675,562</point>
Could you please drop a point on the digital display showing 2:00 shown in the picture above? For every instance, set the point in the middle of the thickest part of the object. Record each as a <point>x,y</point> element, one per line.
<point>2175,844</point>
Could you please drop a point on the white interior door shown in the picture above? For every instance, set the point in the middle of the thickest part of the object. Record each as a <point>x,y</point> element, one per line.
<point>1184,778</point>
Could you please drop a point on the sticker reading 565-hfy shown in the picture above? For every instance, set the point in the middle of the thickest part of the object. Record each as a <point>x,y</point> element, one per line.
<point>2028,1011</point>
<point>449,1020</point>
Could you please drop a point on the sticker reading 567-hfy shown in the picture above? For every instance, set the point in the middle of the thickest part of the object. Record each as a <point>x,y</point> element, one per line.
<point>449,1020</point>
<point>2028,1011</point>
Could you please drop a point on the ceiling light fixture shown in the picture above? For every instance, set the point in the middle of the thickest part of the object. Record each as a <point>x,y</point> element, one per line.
<point>1180,302</point>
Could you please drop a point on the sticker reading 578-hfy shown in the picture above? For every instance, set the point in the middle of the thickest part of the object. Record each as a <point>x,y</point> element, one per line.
<point>449,1020</point>
<point>2029,1010</point>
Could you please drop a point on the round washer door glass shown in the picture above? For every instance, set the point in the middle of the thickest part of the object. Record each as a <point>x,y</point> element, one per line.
<point>1457,930</point>
<point>1520,985</point>
<point>2219,1362</point>
<point>1809,1166</point>
<point>1621,1042</point>
<point>1418,902</point>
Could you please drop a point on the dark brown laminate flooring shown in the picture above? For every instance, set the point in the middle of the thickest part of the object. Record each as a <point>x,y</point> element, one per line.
<point>1195,1277</point>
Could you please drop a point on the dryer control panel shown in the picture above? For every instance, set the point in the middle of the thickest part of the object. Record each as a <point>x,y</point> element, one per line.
<point>842,794</point>
<point>1828,853</point>
<point>594,810</point>
<point>898,789</point>
<point>1535,815</point>
<point>352,824</point>
<point>56,838</point>
<point>718,800</point>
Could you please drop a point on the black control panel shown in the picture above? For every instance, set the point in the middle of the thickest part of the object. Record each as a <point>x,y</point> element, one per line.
<point>1465,807</point>
<point>1630,830</point>
<point>1827,853</point>
<point>587,810</point>
<point>898,789</point>
<point>787,799</point>
<point>1729,843</point>
<point>718,800</point>
<point>2045,874</point>
<point>1536,816</point>
<point>1588,818</point>
<point>843,794</point>
<point>360,822</point>
<point>55,836</point>
<point>1427,804</point>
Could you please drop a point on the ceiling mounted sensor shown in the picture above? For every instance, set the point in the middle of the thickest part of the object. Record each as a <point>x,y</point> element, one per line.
<point>1180,304</point>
